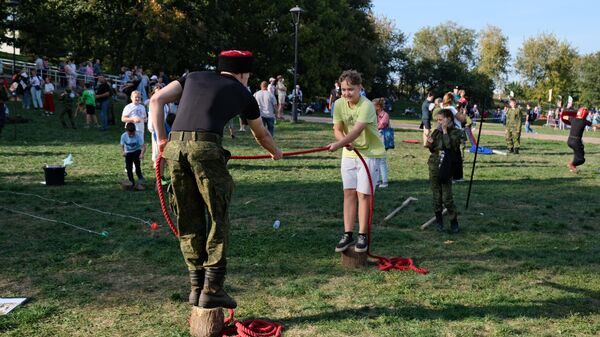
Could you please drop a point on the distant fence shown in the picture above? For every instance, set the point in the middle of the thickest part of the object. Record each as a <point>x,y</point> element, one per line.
<point>6,67</point>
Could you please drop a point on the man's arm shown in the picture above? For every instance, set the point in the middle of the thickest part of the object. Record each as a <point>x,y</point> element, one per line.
<point>171,93</point>
<point>345,140</point>
<point>263,138</point>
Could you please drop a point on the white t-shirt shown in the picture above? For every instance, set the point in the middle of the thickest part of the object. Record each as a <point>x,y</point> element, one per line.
<point>48,88</point>
<point>133,110</point>
<point>266,103</point>
<point>457,123</point>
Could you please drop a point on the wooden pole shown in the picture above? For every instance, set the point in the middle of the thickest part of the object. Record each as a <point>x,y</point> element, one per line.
<point>404,204</point>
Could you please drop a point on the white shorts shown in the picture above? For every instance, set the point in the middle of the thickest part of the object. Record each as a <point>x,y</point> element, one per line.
<point>354,175</point>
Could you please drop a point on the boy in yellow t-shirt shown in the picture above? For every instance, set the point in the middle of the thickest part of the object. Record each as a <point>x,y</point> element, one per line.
<point>355,127</point>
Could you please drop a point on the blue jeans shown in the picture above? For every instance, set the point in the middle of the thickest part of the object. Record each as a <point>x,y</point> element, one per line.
<point>104,104</point>
<point>528,128</point>
<point>26,99</point>
<point>269,123</point>
<point>383,170</point>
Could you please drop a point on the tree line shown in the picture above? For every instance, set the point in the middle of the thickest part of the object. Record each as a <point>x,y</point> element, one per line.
<point>175,35</point>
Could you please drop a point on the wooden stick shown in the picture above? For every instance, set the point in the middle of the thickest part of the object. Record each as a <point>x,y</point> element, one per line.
<point>432,220</point>
<point>404,204</point>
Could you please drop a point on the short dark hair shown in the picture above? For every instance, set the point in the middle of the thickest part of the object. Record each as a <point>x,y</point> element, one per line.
<point>130,127</point>
<point>353,77</point>
<point>446,113</point>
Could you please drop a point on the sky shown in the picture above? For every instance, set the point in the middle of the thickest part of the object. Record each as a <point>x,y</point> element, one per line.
<point>574,21</point>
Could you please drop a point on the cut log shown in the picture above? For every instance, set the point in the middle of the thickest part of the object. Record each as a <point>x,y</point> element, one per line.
<point>206,322</point>
<point>352,259</point>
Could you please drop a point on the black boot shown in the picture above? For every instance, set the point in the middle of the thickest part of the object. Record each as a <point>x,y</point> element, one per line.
<point>454,226</point>
<point>197,282</point>
<point>213,295</point>
<point>439,220</point>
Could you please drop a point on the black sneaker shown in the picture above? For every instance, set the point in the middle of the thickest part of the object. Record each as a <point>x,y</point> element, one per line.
<point>344,243</point>
<point>362,244</point>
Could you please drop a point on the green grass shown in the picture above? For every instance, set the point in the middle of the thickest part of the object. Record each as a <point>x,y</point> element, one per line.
<point>525,264</point>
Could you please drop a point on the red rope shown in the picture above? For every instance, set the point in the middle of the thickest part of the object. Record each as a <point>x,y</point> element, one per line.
<point>250,328</point>
<point>384,263</point>
<point>161,196</point>
<point>285,154</point>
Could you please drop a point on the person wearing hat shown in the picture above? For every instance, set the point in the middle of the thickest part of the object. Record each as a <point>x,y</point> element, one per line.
<point>271,87</point>
<point>201,184</point>
<point>281,93</point>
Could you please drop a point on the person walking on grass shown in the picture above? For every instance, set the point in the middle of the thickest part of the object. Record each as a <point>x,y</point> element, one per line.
<point>202,186</point>
<point>133,148</point>
<point>383,123</point>
<point>514,123</point>
<point>443,143</point>
<point>68,99</point>
<point>267,105</point>
<point>88,98</point>
<point>578,124</point>
<point>135,112</point>
<point>355,126</point>
<point>426,116</point>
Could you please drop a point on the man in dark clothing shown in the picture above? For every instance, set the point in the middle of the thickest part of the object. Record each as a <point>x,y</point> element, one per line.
<point>103,93</point>
<point>426,117</point>
<point>202,185</point>
<point>578,125</point>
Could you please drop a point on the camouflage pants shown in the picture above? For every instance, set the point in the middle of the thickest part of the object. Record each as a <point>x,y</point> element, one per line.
<point>202,189</point>
<point>513,136</point>
<point>442,192</point>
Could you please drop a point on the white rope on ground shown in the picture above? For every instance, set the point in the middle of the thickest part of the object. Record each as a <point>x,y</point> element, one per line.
<point>103,233</point>
<point>78,205</point>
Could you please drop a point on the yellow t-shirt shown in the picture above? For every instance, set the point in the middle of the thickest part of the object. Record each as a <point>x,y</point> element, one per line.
<point>368,142</point>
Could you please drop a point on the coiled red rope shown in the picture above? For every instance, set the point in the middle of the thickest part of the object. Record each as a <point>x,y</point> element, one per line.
<point>250,328</point>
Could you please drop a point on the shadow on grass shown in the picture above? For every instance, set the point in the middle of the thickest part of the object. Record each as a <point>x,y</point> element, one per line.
<point>556,308</point>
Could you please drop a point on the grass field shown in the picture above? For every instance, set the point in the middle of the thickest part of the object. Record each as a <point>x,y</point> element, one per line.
<point>527,262</point>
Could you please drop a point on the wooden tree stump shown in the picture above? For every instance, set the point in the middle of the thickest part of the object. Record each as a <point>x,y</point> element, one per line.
<point>352,259</point>
<point>206,322</point>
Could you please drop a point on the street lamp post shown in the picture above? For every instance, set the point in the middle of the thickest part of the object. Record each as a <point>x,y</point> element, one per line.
<point>14,4</point>
<point>296,11</point>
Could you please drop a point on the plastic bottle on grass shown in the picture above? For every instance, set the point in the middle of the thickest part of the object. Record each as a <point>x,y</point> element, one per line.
<point>276,224</point>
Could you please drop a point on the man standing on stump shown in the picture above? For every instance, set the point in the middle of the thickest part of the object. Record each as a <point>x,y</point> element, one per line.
<point>202,185</point>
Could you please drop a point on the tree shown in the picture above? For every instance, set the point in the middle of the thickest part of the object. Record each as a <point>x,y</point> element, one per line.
<point>493,54</point>
<point>390,55</point>
<point>175,35</point>
<point>547,63</point>
<point>589,79</point>
<point>447,42</point>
